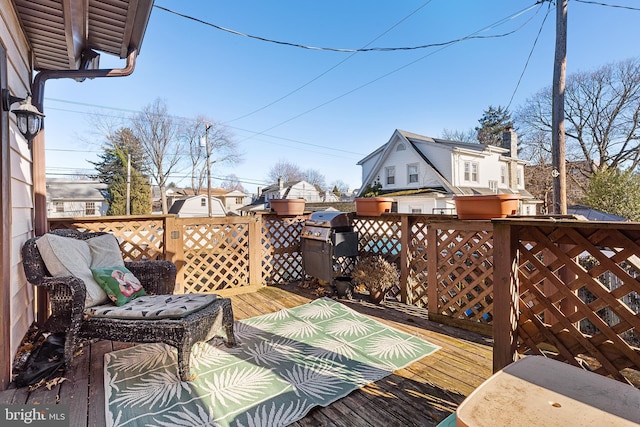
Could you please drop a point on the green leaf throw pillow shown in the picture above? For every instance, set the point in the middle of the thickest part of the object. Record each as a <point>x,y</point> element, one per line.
<point>119,283</point>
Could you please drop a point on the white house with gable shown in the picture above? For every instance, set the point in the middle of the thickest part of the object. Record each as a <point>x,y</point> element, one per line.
<point>422,173</point>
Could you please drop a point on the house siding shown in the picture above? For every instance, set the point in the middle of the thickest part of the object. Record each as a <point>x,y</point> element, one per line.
<point>20,225</point>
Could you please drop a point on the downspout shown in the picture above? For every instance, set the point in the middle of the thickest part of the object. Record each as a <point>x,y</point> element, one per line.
<point>37,152</point>
<point>37,90</point>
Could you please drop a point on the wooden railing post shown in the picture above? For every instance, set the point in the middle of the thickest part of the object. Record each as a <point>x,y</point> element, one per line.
<point>255,251</point>
<point>506,294</point>
<point>432,269</point>
<point>405,230</point>
<point>174,249</point>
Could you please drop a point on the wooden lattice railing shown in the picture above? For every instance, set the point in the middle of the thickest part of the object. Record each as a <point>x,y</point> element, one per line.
<point>544,293</point>
<point>566,288</point>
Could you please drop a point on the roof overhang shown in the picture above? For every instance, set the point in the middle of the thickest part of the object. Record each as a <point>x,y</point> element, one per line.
<point>70,34</point>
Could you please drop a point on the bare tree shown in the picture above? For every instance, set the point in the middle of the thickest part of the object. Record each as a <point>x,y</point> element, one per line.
<point>460,136</point>
<point>288,171</point>
<point>208,139</point>
<point>602,115</point>
<point>313,176</point>
<point>232,183</point>
<point>192,132</point>
<point>340,186</point>
<point>158,133</point>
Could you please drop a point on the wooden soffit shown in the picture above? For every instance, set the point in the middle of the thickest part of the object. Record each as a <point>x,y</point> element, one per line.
<point>67,34</point>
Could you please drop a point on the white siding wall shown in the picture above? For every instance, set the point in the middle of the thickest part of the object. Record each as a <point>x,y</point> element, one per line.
<point>193,208</point>
<point>305,191</point>
<point>18,76</point>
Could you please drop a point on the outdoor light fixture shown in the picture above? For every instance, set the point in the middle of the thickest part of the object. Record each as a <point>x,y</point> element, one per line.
<point>28,117</point>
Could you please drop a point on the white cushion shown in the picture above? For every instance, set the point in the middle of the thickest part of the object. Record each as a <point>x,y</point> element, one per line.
<point>105,251</point>
<point>66,256</point>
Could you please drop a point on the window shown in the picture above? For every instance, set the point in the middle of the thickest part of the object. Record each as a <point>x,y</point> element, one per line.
<point>238,200</point>
<point>519,177</point>
<point>416,210</point>
<point>493,186</point>
<point>503,174</point>
<point>58,206</point>
<point>90,208</point>
<point>203,202</point>
<point>412,170</point>
<point>401,147</point>
<point>471,171</point>
<point>391,175</point>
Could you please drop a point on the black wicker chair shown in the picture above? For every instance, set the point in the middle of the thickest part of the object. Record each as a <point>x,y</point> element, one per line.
<point>67,299</point>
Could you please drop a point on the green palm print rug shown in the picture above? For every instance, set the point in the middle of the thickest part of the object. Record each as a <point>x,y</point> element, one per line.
<point>285,364</point>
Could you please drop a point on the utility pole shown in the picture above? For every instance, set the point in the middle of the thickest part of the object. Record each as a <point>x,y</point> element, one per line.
<point>206,139</point>
<point>128,208</point>
<point>559,172</point>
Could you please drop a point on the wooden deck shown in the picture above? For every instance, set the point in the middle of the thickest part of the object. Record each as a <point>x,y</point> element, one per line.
<point>423,394</point>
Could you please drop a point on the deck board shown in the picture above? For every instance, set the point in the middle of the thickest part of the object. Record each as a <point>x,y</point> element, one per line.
<point>422,394</point>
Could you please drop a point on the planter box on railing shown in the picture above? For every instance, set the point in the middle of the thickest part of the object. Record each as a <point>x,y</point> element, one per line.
<point>373,206</point>
<point>287,207</point>
<point>486,206</point>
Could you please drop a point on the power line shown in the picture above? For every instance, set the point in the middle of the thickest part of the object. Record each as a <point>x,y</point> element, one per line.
<point>330,69</point>
<point>495,24</point>
<point>324,147</point>
<point>608,5</point>
<point>331,49</point>
<point>526,65</point>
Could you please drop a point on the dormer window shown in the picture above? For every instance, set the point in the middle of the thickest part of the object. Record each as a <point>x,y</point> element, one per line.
<point>471,171</point>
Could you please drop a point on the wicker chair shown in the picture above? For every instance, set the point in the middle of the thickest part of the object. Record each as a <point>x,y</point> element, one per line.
<point>67,299</point>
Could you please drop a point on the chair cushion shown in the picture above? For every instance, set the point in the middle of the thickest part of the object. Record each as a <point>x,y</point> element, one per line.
<point>152,307</point>
<point>119,283</point>
<point>66,256</point>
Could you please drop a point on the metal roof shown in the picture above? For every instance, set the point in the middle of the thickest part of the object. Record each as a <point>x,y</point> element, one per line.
<point>66,34</point>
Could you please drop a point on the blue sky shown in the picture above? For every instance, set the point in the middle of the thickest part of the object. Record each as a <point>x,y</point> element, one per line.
<point>327,110</point>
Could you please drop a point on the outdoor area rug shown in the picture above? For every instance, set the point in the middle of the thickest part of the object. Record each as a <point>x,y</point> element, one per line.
<point>285,363</point>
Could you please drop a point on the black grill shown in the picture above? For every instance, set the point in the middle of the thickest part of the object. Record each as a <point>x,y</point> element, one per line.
<point>326,237</point>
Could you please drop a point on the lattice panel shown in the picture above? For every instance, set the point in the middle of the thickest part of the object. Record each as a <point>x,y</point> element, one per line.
<point>573,278</point>
<point>216,257</point>
<point>282,242</point>
<point>465,274</point>
<point>418,263</point>
<point>139,239</point>
<point>380,236</point>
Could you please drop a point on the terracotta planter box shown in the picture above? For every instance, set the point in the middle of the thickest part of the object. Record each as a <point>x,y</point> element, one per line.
<point>486,206</point>
<point>373,206</point>
<point>287,207</point>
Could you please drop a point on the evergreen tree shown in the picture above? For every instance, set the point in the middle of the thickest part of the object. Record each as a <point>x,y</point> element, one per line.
<point>493,123</point>
<point>112,170</point>
<point>614,192</point>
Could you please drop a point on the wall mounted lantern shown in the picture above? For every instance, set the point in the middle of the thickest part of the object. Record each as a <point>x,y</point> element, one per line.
<point>28,117</point>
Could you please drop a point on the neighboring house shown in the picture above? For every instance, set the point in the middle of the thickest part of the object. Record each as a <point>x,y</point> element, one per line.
<point>593,214</point>
<point>294,190</point>
<point>422,174</point>
<point>69,198</point>
<point>43,40</point>
<point>231,200</point>
<point>196,206</point>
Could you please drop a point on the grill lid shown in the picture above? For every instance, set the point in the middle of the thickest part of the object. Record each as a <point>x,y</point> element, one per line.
<point>330,219</point>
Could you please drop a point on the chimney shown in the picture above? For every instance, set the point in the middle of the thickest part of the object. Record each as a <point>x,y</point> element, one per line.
<point>510,142</point>
<point>280,183</point>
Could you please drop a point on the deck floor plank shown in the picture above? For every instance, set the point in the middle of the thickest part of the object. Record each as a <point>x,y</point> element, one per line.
<point>422,394</point>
